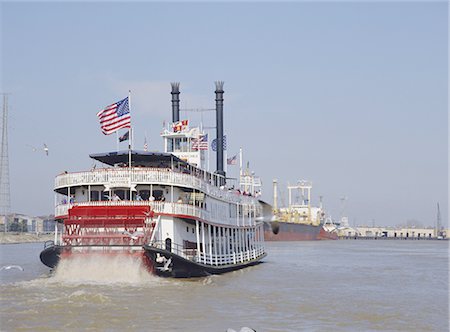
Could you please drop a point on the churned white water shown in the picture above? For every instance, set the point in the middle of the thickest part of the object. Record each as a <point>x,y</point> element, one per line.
<point>102,269</point>
<point>315,286</point>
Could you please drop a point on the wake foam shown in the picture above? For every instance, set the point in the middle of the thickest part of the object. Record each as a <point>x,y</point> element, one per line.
<point>102,269</point>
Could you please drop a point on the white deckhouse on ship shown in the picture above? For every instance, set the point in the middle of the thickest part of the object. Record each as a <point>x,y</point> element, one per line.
<point>165,208</point>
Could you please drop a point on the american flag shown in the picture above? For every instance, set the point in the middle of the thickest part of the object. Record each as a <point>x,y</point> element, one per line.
<point>125,137</point>
<point>145,144</point>
<point>200,143</point>
<point>115,117</point>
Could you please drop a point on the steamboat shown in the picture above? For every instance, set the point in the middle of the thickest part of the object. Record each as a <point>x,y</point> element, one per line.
<point>163,208</point>
<point>299,221</point>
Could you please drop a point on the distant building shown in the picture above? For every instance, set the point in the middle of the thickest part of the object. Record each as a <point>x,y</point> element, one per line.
<point>392,232</point>
<point>17,222</point>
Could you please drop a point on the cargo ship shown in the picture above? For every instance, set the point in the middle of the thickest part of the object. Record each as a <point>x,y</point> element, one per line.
<point>299,221</point>
<point>163,208</point>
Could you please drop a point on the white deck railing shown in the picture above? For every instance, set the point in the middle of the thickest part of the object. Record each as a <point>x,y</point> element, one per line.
<point>215,259</point>
<point>232,258</point>
<point>113,177</point>
<point>158,207</point>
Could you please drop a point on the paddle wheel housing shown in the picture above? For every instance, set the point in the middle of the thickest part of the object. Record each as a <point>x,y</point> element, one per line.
<point>108,226</point>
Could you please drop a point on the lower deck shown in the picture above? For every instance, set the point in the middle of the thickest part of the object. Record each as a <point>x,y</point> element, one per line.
<point>110,230</point>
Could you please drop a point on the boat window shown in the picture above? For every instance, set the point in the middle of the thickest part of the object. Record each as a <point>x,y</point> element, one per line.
<point>168,244</point>
<point>180,145</point>
<point>232,209</point>
<point>176,147</point>
<point>170,145</point>
<point>145,194</point>
<point>198,198</point>
<point>158,194</point>
<point>123,195</point>
<point>95,195</point>
<point>105,196</point>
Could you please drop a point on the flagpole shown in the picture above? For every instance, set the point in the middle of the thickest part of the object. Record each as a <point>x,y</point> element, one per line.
<point>209,147</point>
<point>240,161</point>
<point>129,141</point>
<point>131,132</point>
<point>117,140</point>
<point>145,142</point>
<point>226,161</point>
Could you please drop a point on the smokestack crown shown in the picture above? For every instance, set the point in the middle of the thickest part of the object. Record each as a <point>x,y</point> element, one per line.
<point>219,86</point>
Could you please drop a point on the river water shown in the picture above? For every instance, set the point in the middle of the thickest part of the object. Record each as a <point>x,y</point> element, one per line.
<point>347,285</point>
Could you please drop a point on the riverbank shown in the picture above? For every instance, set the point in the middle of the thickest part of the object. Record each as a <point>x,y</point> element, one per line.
<point>392,238</point>
<point>10,238</point>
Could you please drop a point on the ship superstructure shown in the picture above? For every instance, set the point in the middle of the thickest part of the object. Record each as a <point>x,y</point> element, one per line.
<point>299,220</point>
<point>164,207</point>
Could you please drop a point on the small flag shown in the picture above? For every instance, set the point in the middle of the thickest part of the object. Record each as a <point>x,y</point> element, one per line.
<point>145,144</point>
<point>214,143</point>
<point>125,137</point>
<point>115,117</point>
<point>232,160</point>
<point>200,143</point>
<point>180,125</point>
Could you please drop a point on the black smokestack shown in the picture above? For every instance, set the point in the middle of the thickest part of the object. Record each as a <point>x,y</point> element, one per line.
<point>219,126</point>
<point>175,101</point>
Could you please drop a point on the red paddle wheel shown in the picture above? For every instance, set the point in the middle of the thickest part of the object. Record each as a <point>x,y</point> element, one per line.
<point>108,226</point>
<point>107,230</point>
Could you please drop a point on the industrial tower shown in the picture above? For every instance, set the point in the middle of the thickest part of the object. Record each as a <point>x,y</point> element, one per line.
<point>5,200</point>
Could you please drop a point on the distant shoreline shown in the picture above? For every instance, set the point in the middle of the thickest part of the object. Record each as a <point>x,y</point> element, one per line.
<point>17,238</point>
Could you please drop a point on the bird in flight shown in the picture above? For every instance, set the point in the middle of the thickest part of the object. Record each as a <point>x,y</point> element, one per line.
<point>46,149</point>
<point>10,267</point>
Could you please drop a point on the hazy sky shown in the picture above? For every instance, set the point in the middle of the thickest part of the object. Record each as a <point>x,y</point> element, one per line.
<point>352,96</point>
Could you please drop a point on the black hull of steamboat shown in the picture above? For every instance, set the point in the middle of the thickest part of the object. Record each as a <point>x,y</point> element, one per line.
<point>181,267</point>
<point>51,255</point>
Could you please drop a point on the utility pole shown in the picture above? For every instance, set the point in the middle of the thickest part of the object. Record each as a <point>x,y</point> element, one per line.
<point>5,200</point>
<point>438,221</point>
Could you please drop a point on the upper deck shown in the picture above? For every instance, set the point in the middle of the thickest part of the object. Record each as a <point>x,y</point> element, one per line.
<point>131,177</point>
<point>152,172</point>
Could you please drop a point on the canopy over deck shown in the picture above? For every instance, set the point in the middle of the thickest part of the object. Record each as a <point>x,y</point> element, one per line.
<point>138,158</point>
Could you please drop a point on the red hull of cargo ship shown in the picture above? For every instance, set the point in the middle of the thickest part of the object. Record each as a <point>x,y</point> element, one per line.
<point>284,231</point>
<point>325,235</point>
